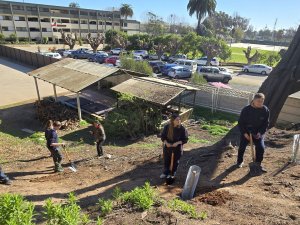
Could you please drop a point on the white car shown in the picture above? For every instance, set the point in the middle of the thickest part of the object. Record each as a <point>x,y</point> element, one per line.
<point>116,51</point>
<point>257,68</point>
<point>203,60</point>
<point>53,55</point>
<point>137,58</point>
<point>153,57</point>
<point>142,53</point>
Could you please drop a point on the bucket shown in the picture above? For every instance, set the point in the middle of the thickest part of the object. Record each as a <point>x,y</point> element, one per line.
<point>191,182</point>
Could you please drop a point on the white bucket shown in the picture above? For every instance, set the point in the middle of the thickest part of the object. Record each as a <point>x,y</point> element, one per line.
<point>295,157</point>
<point>191,182</point>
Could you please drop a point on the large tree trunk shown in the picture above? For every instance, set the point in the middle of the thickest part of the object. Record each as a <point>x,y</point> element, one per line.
<point>284,80</point>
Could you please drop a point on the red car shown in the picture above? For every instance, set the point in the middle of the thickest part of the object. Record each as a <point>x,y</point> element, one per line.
<point>112,60</point>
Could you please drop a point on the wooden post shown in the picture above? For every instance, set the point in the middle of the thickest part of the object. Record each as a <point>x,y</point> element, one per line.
<point>195,93</point>
<point>37,89</point>
<point>179,107</point>
<point>55,95</point>
<point>98,87</point>
<point>78,107</point>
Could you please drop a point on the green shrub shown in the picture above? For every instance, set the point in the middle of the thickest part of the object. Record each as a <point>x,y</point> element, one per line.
<point>13,38</point>
<point>106,206</point>
<point>2,38</point>
<point>117,193</point>
<point>142,198</point>
<point>185,208</point>
<point>193,139</point>
<point>68,214</point>
<point>137,66</point>
<point>38,138</point>
<point>215,129</point>
<point>198,79</point>
<point>15,210</point>
<point>45,40</point>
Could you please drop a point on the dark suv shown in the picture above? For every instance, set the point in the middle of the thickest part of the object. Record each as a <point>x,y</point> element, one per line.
<point>156,66</point>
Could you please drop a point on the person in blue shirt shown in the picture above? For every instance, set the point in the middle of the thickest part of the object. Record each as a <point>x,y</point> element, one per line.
<point>254,119</point>
<point>4,178</point>
<point>174,136</point>
<point>53,145</point>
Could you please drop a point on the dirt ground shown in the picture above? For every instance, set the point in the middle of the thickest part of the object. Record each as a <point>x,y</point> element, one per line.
<point>228,195</point>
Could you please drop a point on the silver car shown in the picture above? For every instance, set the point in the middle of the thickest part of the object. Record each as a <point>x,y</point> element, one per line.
<point>258,68</point>
<point>214,74</point>
<point>178,72</point>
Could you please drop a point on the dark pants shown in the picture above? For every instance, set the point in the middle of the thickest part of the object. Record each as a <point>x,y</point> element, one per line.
<point>259,149</point>
<point>99,147</point>
<point>3,177</point>
<point>167,159</point>
<point>57,156</point>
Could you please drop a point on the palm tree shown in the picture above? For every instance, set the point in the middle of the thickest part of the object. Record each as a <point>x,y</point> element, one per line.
<point>201,8</point>
<point>126,11</point>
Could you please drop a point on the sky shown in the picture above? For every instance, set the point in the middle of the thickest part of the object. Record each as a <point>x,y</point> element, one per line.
<point>261,13</point>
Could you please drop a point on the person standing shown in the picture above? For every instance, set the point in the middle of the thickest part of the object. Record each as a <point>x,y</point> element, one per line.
<point>4,179</point>
<point>174,136</point>
<point>254,120</point>
<point>53,145</point>
<point>99,135</point>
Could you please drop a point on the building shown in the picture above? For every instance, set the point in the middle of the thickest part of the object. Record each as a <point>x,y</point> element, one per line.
<point>34,21</point>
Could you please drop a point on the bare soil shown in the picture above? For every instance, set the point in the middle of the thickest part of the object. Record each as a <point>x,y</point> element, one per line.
<point>228,195</point>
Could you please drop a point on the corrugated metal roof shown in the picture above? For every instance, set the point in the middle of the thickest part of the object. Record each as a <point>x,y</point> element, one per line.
<point>73,75</point>
<point>148,90</point>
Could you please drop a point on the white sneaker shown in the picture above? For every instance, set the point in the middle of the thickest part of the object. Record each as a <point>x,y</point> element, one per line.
<point>240,165</point>
<point>162,176</point>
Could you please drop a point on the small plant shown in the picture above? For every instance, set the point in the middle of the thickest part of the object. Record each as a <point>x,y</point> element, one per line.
<point>141,197</point>
<point>117,193</point>
<point>83,123</point>
<point>15,210</point>
<point>106,206</point>
<point>186,208</point>
<point>38,138</point>
<point>215,129</point>
<point>99,221</point>
<point>70,213</point>
<point>45,40</point>
<point>195,140</point>
<point>14,38</point>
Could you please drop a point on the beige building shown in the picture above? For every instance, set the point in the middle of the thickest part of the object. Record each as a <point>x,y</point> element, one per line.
<point>35,21</point>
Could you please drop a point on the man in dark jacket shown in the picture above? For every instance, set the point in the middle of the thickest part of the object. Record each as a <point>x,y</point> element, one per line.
<point>99,135</point>
<point>254,119</point>
<point>4,178</point>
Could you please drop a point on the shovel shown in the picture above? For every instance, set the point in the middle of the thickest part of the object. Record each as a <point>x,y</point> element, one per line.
<point>72,165</point>
<point>169,179</point>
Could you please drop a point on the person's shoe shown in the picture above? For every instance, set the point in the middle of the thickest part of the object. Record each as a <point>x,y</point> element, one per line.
<point>162,176</point>
<point>58,168</point>
<point>263,170</point>
<point>7,182</point>
<point>240,165</point>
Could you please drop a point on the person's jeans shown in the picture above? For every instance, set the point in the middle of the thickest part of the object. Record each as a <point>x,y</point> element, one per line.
<point>259,149</point>
<point>3,177</point>
<point>167,159</point>
<point>100,148</point>
<point>57,156</point>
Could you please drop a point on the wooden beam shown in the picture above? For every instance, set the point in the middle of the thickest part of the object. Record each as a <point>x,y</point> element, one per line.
<point>55,95</point>
<point>78,107</point>
<point>194,102</point>
<point>179,107</point>
<point>37,89</point>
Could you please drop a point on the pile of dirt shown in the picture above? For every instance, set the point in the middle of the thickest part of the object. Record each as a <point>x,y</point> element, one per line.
<point>55,111</point>
<point>215,198</point>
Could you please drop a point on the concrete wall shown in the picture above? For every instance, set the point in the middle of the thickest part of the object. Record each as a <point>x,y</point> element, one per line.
<point>290,112</point>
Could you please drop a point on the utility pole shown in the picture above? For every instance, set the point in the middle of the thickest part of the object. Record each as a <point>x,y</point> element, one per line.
<point>274,33</point>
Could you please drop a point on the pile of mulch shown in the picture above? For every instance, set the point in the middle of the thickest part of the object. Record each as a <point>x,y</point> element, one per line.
<point>215,198</point>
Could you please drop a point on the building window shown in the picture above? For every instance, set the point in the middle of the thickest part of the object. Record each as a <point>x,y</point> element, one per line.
<point>117,24</point>
<point>45,20</point>
<point>65,21</point>
<point>29,8</point>
<point>18,7</point>
<point>75,30</point>
<point>5,28</point>
<point>83,13</point>
<point>19,18</point>
<point>74,12</point>
<point>64,11</point>
<point>83,21</point>
<point>100,23</point>
<point>66,30</point>
<point>117,16</point>
<point>21,28</point>
<point>84,30</point>
<point>4,6</point>
<point>5,18</point>
<point>34,29</point>
<point>93,31</point>
<point>33,19</point>
<point>44,10</point>
<point>93,22</point>
<point>93,13</point>
<point>55,30</point>
<point>74,21</point>
<point>108,23</point>
<point>125,24</point>
<point>46,30</point>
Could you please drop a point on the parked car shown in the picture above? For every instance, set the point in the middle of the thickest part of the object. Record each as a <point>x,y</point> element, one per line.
<point>142,53</point>
<point>112,60</point>
<point>203,60</point>
<point>102,52</point>
<point>173,58</point>
<point>137,58</point>
<point>189,64</point>
<point>156,66</point>
<point>116,51</point>
<point>80,54</point>
<point>164,57</point>
<point>153,57</point>
<point>54,55</point>
<point>167,67</point>
<point>83,49</point>
<point>100,58</point>
<point>60,51</point>
<point>258,68</point>
<point>178,72</point>
<point>213,74</point>
<point>68,53</point>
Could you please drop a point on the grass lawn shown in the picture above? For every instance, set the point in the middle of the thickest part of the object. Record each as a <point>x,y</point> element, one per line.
<point>238,55</point>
